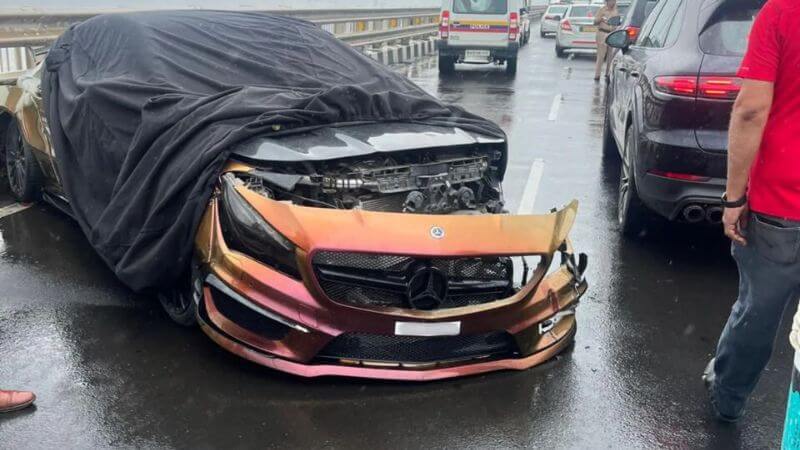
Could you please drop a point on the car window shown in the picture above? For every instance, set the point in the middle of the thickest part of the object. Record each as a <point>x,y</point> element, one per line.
<point>648,24</point>
<point>623,9</point>
<point>657,36</point>
<point>480,6</point>
<point>584,11</point>
<point>557,10</point>
<point>729,29</point>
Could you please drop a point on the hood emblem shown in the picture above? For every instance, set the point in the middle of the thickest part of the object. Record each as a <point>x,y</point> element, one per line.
<point>437,232</point>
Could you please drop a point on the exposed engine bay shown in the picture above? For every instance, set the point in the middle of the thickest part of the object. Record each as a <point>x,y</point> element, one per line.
<point>445,182</point>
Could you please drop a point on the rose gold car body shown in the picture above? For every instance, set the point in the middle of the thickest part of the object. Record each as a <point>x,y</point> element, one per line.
<point>319,319</point>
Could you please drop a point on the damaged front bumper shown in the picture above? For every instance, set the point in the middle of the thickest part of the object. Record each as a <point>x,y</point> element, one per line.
<point>313,324</point>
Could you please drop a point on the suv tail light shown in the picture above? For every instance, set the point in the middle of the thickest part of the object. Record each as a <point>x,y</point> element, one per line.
<point>444,25</point>
<point>513,26</point>
<point>714,87</point>
<point>726,88</point>
<point>566,26</point>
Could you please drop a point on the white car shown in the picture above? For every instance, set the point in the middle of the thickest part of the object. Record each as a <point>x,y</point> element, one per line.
<point>551,18</point>
<point>479,32</point>
<point>577,29</point>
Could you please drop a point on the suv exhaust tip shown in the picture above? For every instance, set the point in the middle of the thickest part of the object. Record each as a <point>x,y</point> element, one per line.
<point>714,215</point>
<point>694,213</point>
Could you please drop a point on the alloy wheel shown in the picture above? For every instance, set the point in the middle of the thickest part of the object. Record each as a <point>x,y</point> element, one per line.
<point>624,191</point>
<point>15,165</point>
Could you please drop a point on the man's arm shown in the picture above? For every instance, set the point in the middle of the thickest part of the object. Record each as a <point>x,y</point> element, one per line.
<point>600,16</point>
<point>748,120</point>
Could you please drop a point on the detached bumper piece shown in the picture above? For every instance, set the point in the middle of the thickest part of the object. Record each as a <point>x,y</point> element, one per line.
<point>423,310</point>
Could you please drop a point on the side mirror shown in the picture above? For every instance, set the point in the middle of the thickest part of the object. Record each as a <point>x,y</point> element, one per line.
<point>615,21</point>
<point>619,39</point>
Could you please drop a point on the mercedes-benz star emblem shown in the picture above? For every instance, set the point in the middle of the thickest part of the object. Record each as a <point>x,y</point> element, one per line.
<point>427,288</point>
<point>437,232</point>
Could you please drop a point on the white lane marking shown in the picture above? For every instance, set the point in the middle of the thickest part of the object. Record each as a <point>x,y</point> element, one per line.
<point>555,107</point>
<point>531,188</point>
<point>6,211</point>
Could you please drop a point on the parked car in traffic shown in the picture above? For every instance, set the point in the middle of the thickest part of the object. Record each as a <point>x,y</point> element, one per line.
<point>479,32</point>
<point>577,29</point>
<point>637,13</point>
<point>551,19</point>
<point>378,249</point>
<point>668,104</point>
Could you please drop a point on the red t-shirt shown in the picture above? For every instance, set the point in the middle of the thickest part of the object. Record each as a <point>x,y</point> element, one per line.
<point>773,55</point>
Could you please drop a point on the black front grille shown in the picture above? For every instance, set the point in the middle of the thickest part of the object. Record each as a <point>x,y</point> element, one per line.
<point>411,349</point>
<point>247,318</point>
<point>377,280</point>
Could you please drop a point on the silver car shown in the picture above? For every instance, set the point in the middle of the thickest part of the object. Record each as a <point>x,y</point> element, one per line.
<point>577,29</point>
<point>551,18</point>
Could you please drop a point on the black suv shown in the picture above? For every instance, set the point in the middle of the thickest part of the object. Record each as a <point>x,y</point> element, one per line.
<point>668,102</point>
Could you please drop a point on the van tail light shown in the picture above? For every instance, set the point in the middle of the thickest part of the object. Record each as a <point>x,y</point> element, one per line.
<point>633,33</point>
<point>713,87</point>
<point>444,25</point>
<point>566,26</point>
<point>513,26</point>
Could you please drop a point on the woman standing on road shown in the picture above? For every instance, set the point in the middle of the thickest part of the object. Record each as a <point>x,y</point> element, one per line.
<point>608,11</point>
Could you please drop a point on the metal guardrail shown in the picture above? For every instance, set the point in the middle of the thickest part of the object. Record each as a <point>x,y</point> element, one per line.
<point>358,27</point>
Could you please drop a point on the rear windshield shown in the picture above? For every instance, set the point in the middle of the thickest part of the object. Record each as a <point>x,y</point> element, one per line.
<point>558,10</point>
<point>584,11</point>
<point>480,7</point>
<point>729,29</point>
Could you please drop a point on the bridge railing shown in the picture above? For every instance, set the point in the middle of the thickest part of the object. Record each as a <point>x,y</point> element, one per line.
<point>19,32</point>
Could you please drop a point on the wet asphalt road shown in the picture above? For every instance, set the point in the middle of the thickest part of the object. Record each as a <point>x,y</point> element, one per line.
<point>110,369</point>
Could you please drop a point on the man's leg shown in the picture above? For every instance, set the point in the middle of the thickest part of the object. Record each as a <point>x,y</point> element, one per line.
<point>602,49</point>
<point>769,277</point>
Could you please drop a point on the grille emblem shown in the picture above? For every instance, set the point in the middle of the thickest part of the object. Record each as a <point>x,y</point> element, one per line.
<point>427,288</point>
<point>437,232</point>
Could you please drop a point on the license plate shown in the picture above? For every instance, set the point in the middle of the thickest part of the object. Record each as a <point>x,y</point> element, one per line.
<point>423,329</point>
<point>589,29</point>
<point>476,54</point>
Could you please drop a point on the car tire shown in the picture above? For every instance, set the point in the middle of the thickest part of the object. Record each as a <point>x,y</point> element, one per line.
<point>447,65</point>
<point>180,300</point>
<point>610,147</point>
<point>511,66</point>
<point>560,51</point>
<point>631,212</point>
<point>22,169</point>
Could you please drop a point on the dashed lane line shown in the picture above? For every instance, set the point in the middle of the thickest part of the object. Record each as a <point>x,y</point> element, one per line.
<point>6,211</point>
<point>531,188</point>
<point>556,106</point>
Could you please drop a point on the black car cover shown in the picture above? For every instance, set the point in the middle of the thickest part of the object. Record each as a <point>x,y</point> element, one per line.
<point>144,109</point>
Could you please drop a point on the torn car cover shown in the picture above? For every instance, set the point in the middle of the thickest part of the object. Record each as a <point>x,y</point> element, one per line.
<point>145,107</point>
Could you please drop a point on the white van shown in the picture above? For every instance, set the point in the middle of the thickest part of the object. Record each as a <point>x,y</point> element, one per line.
<point>480,32</point>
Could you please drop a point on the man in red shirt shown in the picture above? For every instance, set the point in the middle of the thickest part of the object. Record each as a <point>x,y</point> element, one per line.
<point>762,202</point>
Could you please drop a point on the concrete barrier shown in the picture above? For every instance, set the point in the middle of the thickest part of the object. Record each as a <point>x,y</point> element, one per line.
<point>395,54</point>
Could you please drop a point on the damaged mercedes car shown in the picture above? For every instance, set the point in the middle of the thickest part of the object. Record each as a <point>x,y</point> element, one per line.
<point>310,209</point>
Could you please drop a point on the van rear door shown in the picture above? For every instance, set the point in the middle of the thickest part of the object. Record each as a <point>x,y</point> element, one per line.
<point>481,23</point>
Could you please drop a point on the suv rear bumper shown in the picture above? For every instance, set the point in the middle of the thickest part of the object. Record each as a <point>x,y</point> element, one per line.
<point>662,151</point>
<point>497,53</point>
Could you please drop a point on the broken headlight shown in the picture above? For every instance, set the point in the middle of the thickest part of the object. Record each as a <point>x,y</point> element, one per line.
<point>247,232</point>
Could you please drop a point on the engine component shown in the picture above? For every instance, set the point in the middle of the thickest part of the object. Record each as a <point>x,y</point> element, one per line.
<point>414,202</point>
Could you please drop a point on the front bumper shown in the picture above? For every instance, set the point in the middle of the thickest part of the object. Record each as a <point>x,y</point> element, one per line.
<point>291,325</point>
<point>496,53</point>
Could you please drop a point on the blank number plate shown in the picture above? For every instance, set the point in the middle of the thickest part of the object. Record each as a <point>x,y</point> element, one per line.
<point>427,329</point>
<point>476,54</point>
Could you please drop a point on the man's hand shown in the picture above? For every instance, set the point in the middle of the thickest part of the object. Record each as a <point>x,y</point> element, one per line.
<point>735,221</point>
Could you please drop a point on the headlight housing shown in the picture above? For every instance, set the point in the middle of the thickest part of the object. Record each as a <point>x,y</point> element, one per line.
<point>247,232</point>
